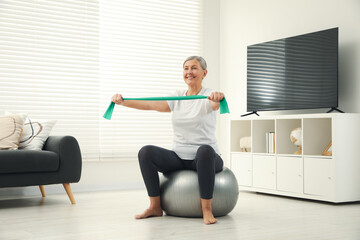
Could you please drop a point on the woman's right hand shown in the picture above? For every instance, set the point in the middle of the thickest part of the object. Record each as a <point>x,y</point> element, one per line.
<point>117,99</point>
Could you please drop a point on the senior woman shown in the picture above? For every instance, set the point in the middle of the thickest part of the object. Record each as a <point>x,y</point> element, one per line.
<point>194,145</point>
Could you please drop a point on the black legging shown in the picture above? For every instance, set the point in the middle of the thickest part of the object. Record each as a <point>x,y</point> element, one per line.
<point>153,159</point>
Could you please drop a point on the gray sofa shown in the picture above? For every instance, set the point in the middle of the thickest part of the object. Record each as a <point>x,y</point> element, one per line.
<point>58,163</point>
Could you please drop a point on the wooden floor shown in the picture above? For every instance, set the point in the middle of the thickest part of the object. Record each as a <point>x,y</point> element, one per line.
<point>110,215</point>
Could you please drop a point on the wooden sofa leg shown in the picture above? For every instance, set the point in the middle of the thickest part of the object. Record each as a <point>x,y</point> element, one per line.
<point>69,192</point>
<point>42,190</point>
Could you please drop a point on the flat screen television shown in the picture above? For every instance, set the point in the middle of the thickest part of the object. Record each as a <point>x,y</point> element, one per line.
<point>299,72</point>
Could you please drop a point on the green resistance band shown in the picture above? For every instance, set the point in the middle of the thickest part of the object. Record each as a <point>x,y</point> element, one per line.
<point>223,104</point>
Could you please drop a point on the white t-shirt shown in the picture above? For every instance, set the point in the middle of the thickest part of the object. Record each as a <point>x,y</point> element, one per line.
<point>194,123</point>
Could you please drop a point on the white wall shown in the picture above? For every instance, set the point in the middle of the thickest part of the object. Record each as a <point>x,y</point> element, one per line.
<point>211,50</point>
<point>246,22</point>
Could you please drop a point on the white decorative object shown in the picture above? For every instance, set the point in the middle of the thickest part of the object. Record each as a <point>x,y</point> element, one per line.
<point>295,137</point>
<point>35,133</point>
<point>245,144</point>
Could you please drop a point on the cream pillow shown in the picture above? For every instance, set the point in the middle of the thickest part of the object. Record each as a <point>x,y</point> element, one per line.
<point>35,133</point>
<point>10,131</point>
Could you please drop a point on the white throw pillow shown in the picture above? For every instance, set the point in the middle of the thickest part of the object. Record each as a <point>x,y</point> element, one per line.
<point>22,115</point>
<point>35,133</point>
<point>10,131</point>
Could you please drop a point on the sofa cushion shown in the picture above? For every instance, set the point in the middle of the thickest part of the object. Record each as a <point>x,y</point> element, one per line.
<point>35,133</point>
<point>10,131</point>
<point>26,161</point>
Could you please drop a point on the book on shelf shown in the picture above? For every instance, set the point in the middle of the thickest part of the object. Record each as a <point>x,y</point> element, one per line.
<point>270,142</point>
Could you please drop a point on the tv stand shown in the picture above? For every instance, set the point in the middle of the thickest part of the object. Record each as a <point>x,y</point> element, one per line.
<point>334,109</point>
<point>247,114</point>
<point>326,169</point>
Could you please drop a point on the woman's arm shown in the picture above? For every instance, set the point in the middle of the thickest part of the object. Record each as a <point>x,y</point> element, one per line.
<point>215,98</point>
<point>160,106</point>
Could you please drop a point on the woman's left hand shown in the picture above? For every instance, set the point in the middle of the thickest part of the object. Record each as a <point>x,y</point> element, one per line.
<point>216,96</point>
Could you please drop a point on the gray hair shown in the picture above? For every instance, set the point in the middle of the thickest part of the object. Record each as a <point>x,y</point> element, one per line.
<point>199,59</point>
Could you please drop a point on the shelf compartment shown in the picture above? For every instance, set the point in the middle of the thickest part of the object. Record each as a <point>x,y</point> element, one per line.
<point>264,171</point>
<point>239,129</point>
<point>283,131</point>
<point>260,128</point>
<point>317,135</point>
<point>242,165</point>
<point>318,177</point>
<point>290,174</point>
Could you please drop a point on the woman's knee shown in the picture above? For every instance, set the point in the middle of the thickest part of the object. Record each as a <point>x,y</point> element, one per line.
<point>146,152</point>
<point>205,151</point>
<point>206,156</point>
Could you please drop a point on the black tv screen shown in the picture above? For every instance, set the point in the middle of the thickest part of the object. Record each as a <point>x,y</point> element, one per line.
<point>298,72</point>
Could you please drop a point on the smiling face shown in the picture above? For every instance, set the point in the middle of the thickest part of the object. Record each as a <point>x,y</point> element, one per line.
<point>193,73</point>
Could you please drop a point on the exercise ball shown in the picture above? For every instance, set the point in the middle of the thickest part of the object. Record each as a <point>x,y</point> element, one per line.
<point>180,193</point>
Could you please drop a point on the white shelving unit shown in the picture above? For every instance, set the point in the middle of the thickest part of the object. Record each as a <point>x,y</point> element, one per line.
<point>309,175</point>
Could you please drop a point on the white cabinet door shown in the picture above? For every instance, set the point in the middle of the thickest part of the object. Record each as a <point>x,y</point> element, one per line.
<point>318,176</point>
<point>264,171</point>
<point>290,174</point>
<point>241,165</point>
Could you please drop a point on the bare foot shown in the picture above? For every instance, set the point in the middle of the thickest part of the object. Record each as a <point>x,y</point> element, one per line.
<point>150,213</point>
<point>208,217</point>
